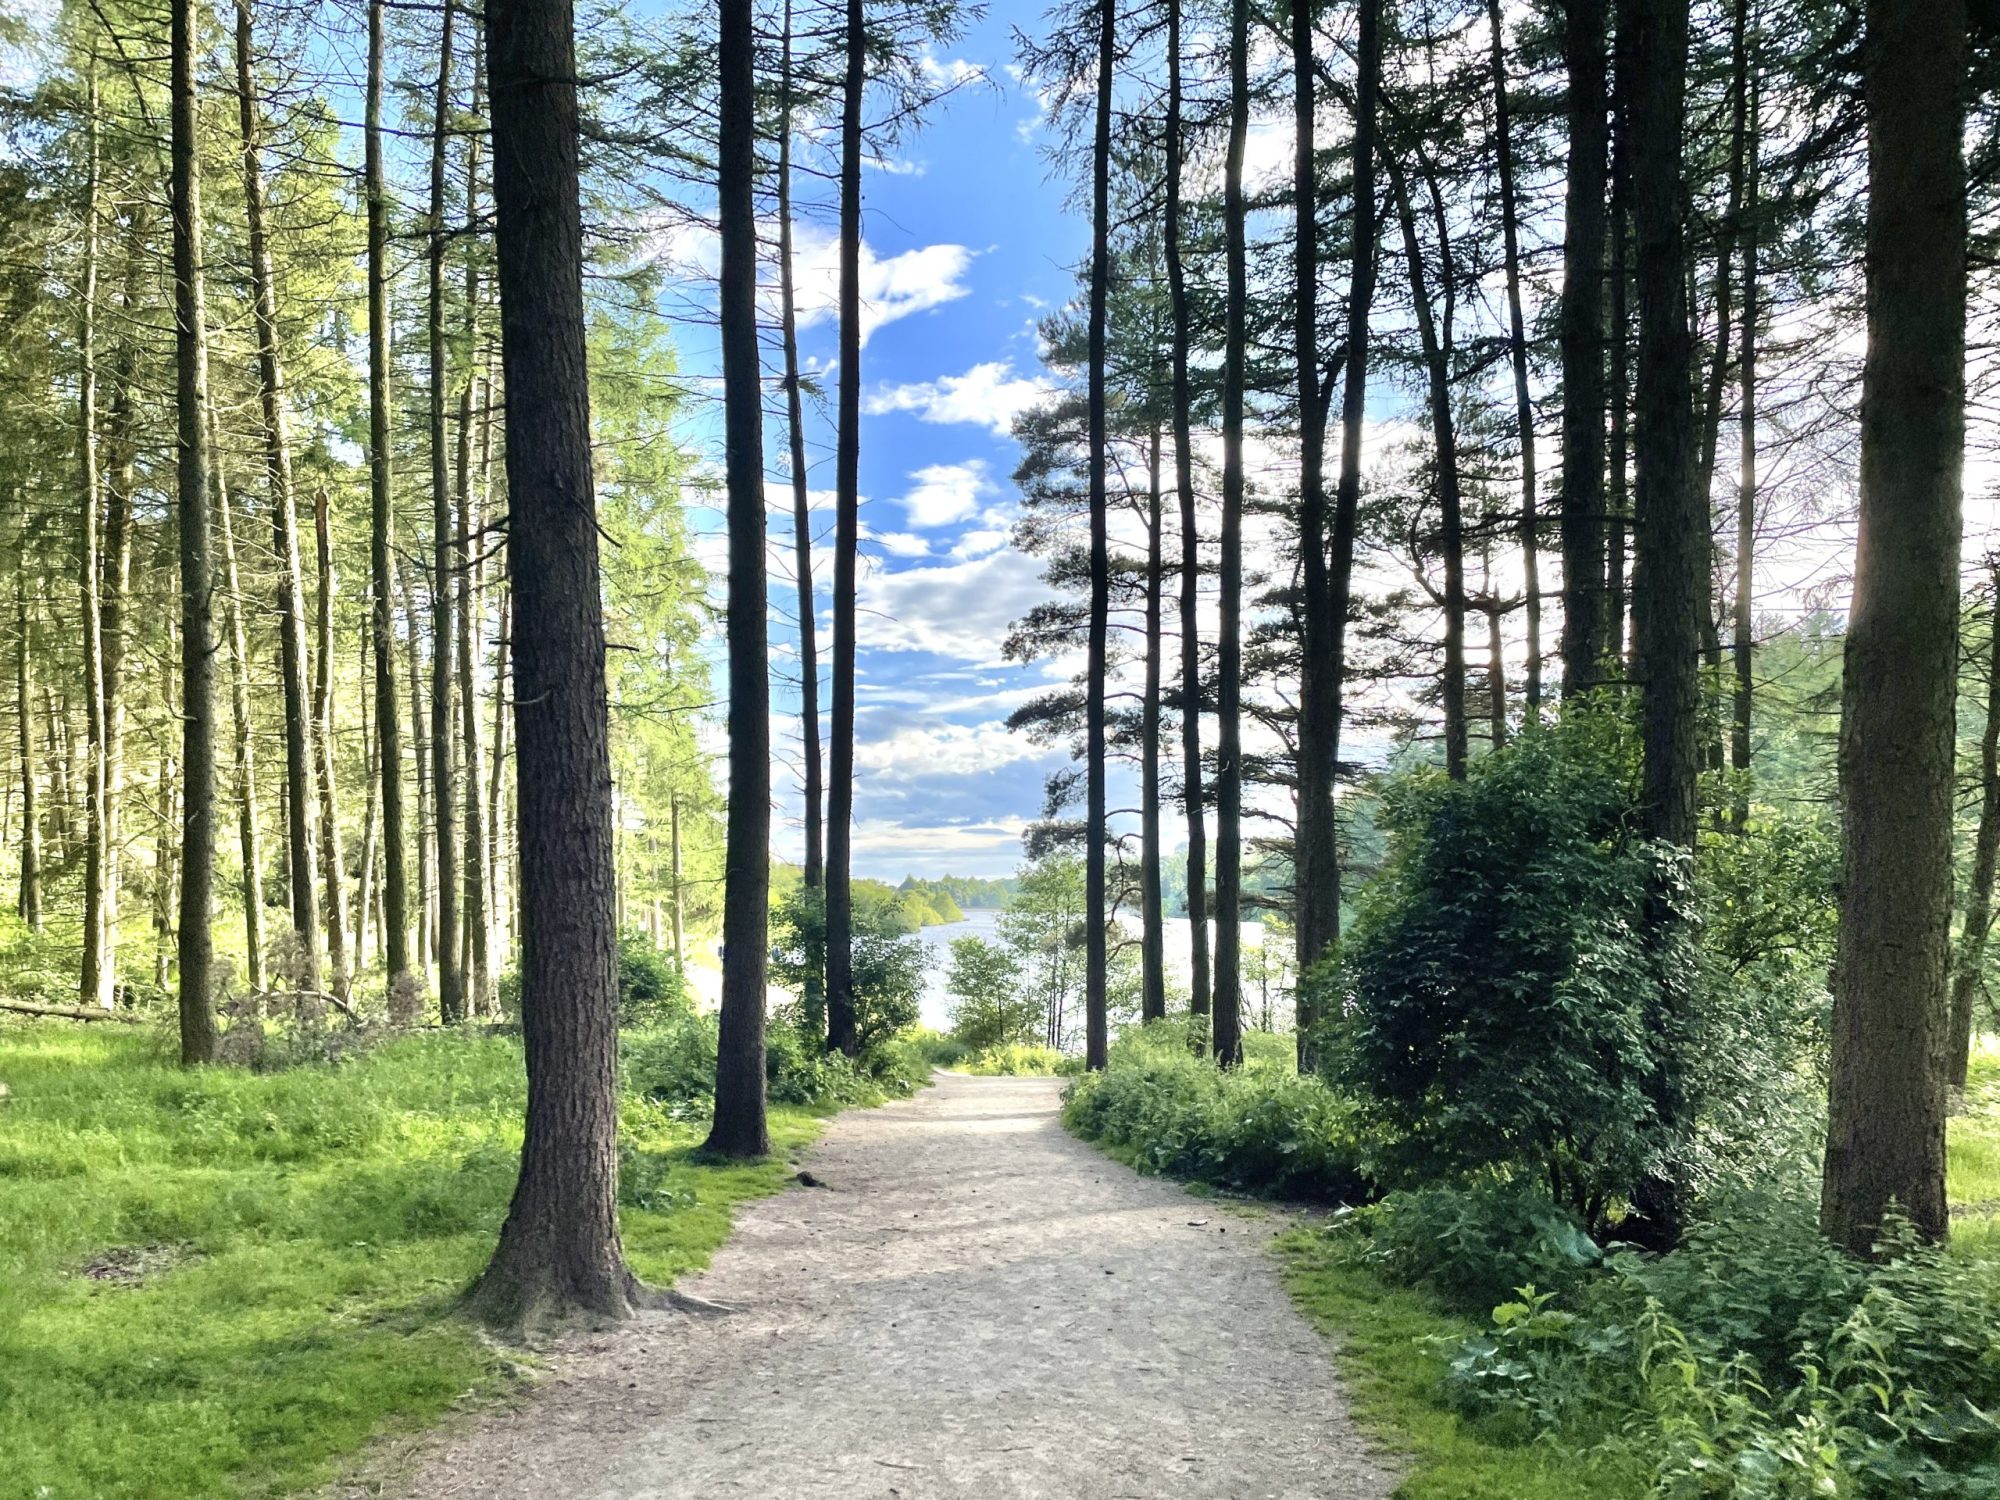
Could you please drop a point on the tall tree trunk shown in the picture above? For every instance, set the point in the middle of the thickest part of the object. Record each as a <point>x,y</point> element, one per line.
<point>1969,963</point>
<point>1744,644</point>
<point>1190,559</point>
<point>505,855</point>
<point>1097,1034</point>
<point>478,873</point>
<point>382,520</point>
<point>840,1019</point>
<point>121,459</point>
<point>98,979</point>
<point>1582,496</point>
<point>1618,496</point>
<point>29,903</point>
<point>674,834</point>
<point>1444,439</point>
<point>445,562</point>
<point>248,822</point>
<point>559,1253</point>
<point>196,945</point>
<point>333,870</point>
<point>1496,655</point>
<point>739,1129</point>
<point>1228,1017</point>
<point>795,423</point>
<point>1885,1122</point>
<point>426,949</point>
<point>300,793</point>
<point>1670,586</point>
<point>1315,882</point>
<point>1354,379</point>
<point>1153,938</point>
<point>1517,350</point>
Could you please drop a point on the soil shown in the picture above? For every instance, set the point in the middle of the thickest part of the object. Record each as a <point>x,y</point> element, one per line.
<point>969,1303</point>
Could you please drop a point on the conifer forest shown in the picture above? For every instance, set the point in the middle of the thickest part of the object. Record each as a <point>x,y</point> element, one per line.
<point>857,748</point>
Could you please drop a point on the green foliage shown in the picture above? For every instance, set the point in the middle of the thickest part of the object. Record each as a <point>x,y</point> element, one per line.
<point>220,1282</point>
<point>1016,1060</point>
<point>887,963</point>
<point>1256,1130</point>
<point>989,1006</point>
<point>1472,1245</point>
<point>651,988</point>
<point>1509,1003</point>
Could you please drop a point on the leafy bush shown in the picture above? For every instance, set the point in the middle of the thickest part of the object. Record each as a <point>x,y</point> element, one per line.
<point>1473,1245</point>
<point>887,964</point>
<point>989,1007</point>
<point>1758,1363</point>
<point>799,1070</point>
<point>672,1063</point>
<point>1510,1005</point>
<point>651,987</point>
<point>1257,1131</point>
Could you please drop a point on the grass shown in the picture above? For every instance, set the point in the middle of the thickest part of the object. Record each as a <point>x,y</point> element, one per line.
<point>1392,1361</point>
<point>222,1283</point>
<point>1972,1179</point>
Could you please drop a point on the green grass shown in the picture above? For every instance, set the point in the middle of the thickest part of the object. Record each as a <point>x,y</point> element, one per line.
<point>1391,1360</point>
<point>1973,1165</point>
<point>303,1236</point>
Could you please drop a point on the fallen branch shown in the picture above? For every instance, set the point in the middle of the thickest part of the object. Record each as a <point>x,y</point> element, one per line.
<point>73,1012</point>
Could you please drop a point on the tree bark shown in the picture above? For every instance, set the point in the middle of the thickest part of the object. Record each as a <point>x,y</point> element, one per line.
<point>795,422</point>
<point>559,1253</point>
<point>1582,493</point>
<point>1315,882</point>
<point>300,792</point>
<point>248,824</point>
<point>1517,351</point>
<point>196,939</point>
<point>333,869</point>
<point>1885,1121</point>
<point>382,520</point>
<point>426,923</point>
<point>1444,440</point>
<point>445,563</point>
<point>98,979</point>
<point>1354,379</point>
<point>840,1018</point>
<point>1152,938</point>
<point>1097,1035</point>
<point>1193,801</point>
<point>29,902</point>
<point>739,1128</point>
<point>1227,1020</point>
<point>1671,584</point>
<point>1744,643</point>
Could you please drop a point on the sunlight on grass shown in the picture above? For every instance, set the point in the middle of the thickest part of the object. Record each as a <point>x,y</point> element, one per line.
<point>1973,1166</point>
<point>287,1250</point>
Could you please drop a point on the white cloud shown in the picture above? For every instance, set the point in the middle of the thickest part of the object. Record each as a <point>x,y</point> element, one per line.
<point>951,72</point>
<point>960,609</point>
<point>901,543</point>
<point>947,493</point>
<point>942,749</point>
<point>892,287</point>
<point>989,394</point>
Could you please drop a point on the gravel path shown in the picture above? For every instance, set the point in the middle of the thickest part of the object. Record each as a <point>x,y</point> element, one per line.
<point>974,1305</point>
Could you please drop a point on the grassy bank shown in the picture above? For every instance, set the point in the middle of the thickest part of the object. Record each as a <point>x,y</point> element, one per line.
<point>222,1282</point>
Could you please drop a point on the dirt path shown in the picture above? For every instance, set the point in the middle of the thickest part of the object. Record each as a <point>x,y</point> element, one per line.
<point>976,1305</point>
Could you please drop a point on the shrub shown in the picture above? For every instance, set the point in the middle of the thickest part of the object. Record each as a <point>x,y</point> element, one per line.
<point>1262,1132</point>
<point>989,1009</point>
<point>1511,1004</point>
<point>651,987</point>
<point>671,1062</point>
<point>1474,1245</point>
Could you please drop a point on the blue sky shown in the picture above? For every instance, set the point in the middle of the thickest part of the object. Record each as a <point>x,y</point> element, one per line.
<point>968,242</point>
